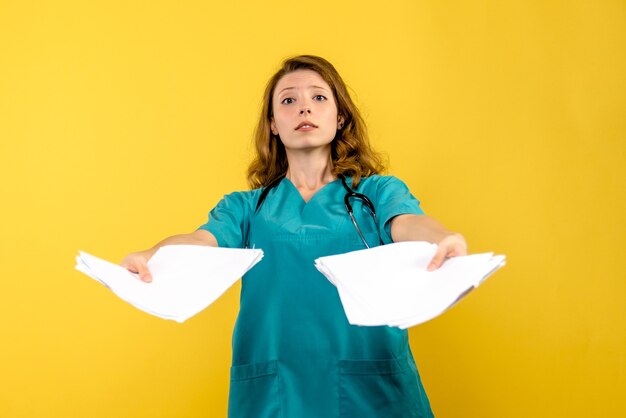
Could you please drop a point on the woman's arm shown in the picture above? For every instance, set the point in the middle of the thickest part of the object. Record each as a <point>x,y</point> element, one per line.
<point>423,228</point>
<point>137,262</point>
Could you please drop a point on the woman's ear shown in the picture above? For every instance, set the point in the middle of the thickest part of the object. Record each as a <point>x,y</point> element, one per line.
<point>340,122</point>
<point>273,126</point>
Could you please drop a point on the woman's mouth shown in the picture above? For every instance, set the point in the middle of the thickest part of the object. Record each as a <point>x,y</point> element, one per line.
<point>306,126</point>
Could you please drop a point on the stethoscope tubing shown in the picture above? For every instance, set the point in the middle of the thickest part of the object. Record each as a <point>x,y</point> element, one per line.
<point>367,203</point>
<point>350,193</point>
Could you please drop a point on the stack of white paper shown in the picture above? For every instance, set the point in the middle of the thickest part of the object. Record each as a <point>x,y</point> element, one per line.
<point>390,284</point>
<point>185,278</point>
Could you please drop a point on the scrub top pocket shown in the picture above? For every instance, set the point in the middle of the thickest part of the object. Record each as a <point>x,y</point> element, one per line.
<point>379,388</point>
<point>254,391</point>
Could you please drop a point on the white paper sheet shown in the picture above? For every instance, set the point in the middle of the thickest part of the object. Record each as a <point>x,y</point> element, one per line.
<point>185,278</point>
<point>390,284</point>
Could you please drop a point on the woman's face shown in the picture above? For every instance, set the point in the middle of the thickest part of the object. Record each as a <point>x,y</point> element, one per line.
<point>304,111</point>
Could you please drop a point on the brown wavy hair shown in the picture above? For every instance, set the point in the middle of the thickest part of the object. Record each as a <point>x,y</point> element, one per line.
<point>351,153</point>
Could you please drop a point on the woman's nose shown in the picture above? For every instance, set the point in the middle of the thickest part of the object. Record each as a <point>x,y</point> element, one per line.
<point>305,110</point>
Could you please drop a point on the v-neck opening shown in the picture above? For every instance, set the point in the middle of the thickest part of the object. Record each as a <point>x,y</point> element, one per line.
<point>306,202</point>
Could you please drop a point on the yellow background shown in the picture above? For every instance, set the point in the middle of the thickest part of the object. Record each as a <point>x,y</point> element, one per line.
<point>125,122</point>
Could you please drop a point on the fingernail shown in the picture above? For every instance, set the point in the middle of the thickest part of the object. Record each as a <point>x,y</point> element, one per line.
<point>431,267</point>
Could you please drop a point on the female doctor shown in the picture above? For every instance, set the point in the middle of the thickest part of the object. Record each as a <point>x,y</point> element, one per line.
<point>315,191</point>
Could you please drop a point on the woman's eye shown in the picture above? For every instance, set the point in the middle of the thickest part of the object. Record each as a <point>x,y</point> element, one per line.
<point>319,98</point>
<point>288,100</point>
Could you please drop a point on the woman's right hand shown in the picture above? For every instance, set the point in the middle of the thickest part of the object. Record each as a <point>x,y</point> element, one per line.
<point>138,263</point>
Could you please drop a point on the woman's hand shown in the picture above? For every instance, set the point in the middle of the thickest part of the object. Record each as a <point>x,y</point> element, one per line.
<point>450,246</point>
<point>424,228</point>
<point>138,263</point>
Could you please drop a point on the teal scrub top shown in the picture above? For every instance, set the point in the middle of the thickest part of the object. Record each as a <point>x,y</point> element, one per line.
<point>294,353</point>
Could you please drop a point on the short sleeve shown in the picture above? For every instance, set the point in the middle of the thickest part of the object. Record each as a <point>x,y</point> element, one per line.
<point>229,219</point>
<point>393,199</point>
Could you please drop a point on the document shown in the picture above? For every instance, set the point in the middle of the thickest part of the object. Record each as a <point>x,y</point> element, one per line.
<point>185,278</point>
<point>390,284</point>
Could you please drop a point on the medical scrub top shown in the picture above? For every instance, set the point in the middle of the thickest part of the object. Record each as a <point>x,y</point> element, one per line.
<point>294,353</point>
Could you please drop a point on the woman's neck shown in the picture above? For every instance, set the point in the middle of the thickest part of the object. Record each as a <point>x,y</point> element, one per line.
<point>309,171</point>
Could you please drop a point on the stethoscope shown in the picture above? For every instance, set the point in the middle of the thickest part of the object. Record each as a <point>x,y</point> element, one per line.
<point>350,194</point>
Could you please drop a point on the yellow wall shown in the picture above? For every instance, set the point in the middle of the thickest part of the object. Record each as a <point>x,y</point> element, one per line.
<point>125,122</point>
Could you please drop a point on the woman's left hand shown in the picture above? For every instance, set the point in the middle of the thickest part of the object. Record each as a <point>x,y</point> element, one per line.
<point>451,246</point>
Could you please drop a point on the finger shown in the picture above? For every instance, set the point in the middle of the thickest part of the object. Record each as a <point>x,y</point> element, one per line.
<point>437,259</point>
<point>459,246</point>
<point>131,264</point>
<point>138,266</point>
<point>144,273</point>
